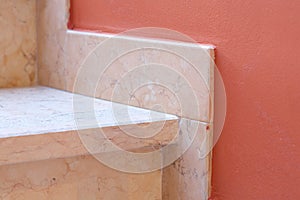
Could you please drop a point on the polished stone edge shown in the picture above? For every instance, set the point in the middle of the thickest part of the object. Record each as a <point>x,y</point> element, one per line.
<point>66,144</point>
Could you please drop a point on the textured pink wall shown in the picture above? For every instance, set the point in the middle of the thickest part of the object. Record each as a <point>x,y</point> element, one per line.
<point>258,154</point>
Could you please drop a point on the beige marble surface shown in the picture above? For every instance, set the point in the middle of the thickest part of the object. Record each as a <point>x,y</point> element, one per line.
<point>48,158</point>
<point>17,43</point>
<point>77,178</point>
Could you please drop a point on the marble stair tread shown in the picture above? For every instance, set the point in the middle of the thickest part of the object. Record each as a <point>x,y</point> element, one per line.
<point>38,110</point>
<point>39,123</point>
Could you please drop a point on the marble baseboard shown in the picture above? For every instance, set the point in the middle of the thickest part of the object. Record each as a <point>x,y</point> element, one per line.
<point>125,69</point>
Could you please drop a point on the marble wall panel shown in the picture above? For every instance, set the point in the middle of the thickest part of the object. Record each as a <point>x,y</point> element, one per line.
<point>17,43</point>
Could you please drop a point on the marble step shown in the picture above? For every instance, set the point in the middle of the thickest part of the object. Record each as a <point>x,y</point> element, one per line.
<point>40,123</point>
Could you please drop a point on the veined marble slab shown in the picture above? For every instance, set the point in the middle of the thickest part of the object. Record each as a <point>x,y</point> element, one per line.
<point>38,123</point>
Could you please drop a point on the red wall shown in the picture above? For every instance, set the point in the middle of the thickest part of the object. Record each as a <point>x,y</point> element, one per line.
<point>258,41</point>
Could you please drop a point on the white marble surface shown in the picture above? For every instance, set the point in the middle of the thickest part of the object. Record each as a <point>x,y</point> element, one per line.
<point>38,110</point>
